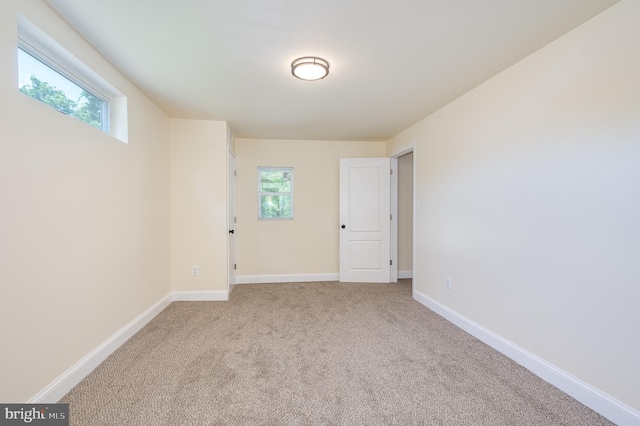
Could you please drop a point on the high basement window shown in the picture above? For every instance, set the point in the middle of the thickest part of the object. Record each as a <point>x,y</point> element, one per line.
<point>51,75</point>
<point>47,84</point>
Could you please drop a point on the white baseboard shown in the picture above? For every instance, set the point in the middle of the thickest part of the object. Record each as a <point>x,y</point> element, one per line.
<point>405,274</point>
<point>285,278</point>
<point>597,400</point>
<point>588,395</point>
<point>63,384</point>
<point>200,296</point>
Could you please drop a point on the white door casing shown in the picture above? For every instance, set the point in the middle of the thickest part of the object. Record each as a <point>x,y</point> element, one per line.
<point>231,221</point>
<point>365,219</point>
<point>393,236</point>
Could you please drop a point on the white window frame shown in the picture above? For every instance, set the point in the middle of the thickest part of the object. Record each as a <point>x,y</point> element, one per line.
<point>43,48</point>
<point>261,193</point>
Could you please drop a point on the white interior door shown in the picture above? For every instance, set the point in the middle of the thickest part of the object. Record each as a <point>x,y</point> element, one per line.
<point>231,198</point>
<point>365,219</point>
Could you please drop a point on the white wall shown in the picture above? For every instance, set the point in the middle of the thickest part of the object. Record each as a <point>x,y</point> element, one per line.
<point>529,188</point>
<point>308,244</point>
<point>198,205</point>
<point>84,240</point>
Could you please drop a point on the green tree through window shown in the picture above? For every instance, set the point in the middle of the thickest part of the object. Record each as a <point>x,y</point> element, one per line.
<point>275,193</point>
<point>90,111</point>
<point>87,108</point>
<point>42,91</point>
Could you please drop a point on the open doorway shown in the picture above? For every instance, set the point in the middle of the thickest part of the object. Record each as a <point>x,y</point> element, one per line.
<point>405,216</point>
<point>402,205</point>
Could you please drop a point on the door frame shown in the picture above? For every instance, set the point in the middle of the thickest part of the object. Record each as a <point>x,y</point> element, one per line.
<point>232,195</point>
<point>408,149</point>
<point>393,234</point>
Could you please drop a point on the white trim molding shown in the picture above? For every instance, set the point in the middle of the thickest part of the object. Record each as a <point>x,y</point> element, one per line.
<point>588,395</point>
<point>288,278</point>
<point>70,378</point>
<point>405,274</point>
<point>407,149</point>
<point>200,296</point>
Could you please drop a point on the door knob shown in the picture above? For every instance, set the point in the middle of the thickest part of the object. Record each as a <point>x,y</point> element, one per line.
<point>343,226</point>
<point>231,231</point>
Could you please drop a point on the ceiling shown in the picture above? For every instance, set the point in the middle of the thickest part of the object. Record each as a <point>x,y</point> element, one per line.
<point>392,63</point>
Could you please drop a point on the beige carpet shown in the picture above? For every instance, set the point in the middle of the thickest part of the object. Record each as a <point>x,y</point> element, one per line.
<point>314,354</point>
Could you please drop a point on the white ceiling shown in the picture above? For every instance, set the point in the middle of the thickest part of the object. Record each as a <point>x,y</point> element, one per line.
<point>392,62</point>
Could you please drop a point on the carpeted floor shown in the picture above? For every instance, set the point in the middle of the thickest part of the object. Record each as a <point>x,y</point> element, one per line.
<point>314,354</point>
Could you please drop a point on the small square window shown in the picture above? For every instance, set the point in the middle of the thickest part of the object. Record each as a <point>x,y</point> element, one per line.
<point>275,193</point>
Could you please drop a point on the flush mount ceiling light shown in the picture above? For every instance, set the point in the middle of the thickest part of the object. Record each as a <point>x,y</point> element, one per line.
<point>310,68</point>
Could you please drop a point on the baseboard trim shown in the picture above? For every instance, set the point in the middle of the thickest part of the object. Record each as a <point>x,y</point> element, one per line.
<point>405,274</point>
<point>588,395</point>
<point>70,378</point>
<point>286,278</point>
<point>200,296</point>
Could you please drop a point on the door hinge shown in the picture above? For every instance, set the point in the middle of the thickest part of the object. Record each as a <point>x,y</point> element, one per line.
<point>235,219</point>
<point>235,173</point>
<point>235,266</point>
<point>390,171</point>
<point>390,262</point>
<point>390,217</point>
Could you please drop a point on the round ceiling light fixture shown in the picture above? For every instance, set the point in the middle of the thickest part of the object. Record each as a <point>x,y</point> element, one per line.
<point>310,68</point>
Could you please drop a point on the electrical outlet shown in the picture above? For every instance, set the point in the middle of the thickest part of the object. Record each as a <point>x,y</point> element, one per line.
<point>195,270</point>
<point>449,282</point>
